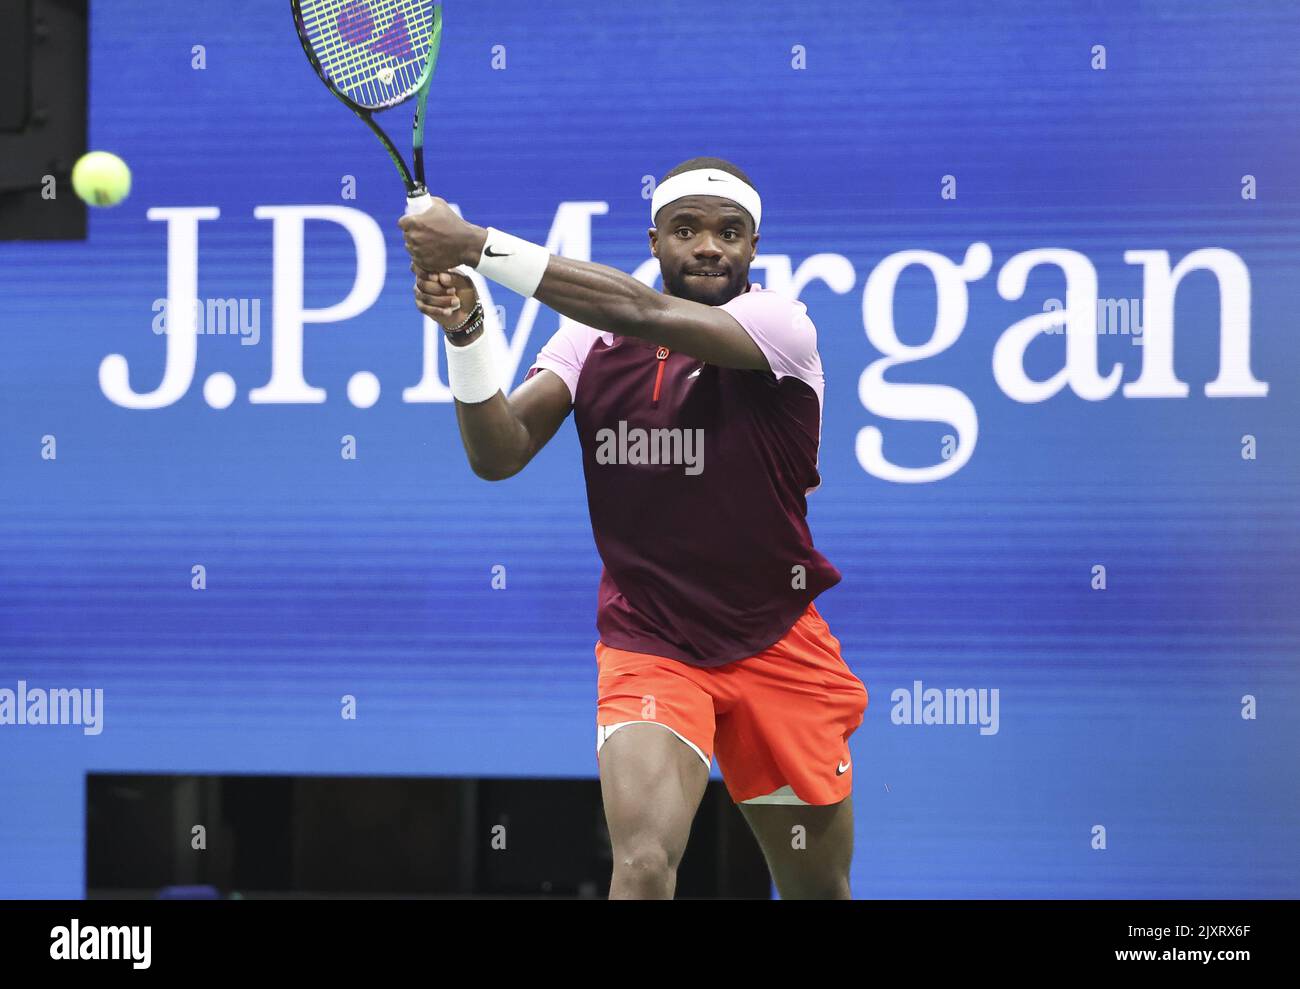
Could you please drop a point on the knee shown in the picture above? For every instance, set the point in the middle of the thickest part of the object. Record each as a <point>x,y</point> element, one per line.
<point>645,859</point>
<point>644,868</point>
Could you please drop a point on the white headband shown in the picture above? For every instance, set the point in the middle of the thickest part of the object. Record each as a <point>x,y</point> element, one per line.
<point>707,182</point>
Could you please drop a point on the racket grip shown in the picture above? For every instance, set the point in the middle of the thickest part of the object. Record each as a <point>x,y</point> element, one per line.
<point>418,203</point>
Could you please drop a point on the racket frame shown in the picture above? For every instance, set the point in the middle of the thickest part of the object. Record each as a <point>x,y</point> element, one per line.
<point>414,181</point>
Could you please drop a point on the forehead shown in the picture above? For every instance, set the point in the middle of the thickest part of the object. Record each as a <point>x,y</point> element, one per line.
<point>708,209</point>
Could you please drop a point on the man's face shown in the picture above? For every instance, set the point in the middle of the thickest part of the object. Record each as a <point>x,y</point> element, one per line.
<point>699,234</point>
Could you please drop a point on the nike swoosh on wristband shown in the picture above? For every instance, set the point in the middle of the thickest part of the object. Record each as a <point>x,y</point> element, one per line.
<point>713,179</point>
<point>495,254</point>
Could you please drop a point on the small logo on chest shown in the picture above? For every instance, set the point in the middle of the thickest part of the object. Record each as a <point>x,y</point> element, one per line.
<point>637,446</point>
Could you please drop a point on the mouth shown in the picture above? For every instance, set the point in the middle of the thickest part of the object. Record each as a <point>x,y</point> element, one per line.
<point>706,274</point>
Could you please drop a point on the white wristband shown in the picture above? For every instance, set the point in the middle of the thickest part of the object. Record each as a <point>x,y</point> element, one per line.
<point>514,263</point>
<point>471,371</point>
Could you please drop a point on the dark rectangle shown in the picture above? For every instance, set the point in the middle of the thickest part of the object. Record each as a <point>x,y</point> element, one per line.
<point>887,940</point>
<point>15,67</point>
<point>43,79</point>
<point>323,836</point>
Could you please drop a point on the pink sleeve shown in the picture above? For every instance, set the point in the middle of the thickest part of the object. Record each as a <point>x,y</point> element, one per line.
<point>784,333</point>
<point>566,351</point>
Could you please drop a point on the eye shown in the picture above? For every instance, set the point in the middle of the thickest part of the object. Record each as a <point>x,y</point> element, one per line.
<point>687,229</point>
<point>729,230</point>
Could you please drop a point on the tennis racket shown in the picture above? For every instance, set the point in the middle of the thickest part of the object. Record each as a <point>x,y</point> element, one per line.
<point>375,55</point>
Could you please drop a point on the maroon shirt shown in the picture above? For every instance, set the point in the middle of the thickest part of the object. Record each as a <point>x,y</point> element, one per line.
<point>697,478</point>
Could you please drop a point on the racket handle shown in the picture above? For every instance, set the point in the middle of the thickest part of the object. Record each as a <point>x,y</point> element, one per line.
<point>418,203</point>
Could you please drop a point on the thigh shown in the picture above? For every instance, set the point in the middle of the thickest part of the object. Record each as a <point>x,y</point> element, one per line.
<point>651,780</point>
<point>808,849</point>
<point>652,783</point>
<point>795,707</point>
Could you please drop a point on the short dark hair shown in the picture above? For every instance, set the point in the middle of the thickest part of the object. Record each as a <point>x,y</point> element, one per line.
<point>693,163</point>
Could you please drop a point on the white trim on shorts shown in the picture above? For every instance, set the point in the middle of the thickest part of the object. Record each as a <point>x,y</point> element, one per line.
<point>782,795</point>
<point>604,731</point>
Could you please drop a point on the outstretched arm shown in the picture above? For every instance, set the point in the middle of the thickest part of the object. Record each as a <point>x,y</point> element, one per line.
<point>605,298</point>
<point>595,295</point>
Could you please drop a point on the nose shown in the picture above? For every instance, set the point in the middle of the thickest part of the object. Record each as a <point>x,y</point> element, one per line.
<point>707,248</point>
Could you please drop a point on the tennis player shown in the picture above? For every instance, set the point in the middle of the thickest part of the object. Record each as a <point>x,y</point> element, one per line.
<point>698,410</point>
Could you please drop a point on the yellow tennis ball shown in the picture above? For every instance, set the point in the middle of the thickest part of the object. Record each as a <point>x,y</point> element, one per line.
<point>101,178</point>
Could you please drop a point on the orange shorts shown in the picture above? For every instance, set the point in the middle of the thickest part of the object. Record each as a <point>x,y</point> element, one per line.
<point>780,718</point>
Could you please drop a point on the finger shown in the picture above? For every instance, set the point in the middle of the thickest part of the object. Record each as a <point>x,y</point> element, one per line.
<point>434,285</point>
<point>441,296</point>
<point>447,303</point>
<point>434,289</point>
<point>434,312</point>
<point>445,281</point>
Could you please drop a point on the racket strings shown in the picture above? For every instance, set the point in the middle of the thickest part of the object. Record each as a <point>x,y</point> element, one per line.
<point>373,51</point>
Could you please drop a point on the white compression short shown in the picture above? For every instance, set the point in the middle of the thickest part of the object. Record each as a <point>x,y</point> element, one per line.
<point>782,795</point>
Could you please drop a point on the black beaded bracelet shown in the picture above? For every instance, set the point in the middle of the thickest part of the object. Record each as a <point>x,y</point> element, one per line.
<point>471,323</point>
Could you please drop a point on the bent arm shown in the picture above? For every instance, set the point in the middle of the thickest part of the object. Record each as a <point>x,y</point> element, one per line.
<point>503,434</point>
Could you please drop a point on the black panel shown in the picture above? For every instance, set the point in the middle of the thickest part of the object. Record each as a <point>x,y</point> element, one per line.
<point>42,118</point>
<point>14,68</point>
<point>366,836</point>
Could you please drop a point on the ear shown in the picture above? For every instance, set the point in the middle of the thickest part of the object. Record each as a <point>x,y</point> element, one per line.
<point>654,241</point>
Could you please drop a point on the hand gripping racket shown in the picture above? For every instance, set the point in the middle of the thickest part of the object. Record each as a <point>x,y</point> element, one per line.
<point>374,55</point>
